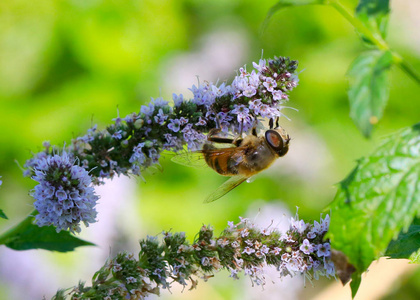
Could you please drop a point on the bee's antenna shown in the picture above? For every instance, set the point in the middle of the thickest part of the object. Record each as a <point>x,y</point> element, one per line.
<point>270,123</point>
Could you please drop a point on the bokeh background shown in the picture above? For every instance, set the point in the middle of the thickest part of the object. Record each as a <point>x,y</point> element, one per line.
<point>66,65</point>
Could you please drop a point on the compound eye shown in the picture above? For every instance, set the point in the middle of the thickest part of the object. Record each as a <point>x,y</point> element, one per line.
<point>274,139</point>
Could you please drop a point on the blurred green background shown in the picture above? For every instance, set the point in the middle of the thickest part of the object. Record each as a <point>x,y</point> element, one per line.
<point>66,65</point>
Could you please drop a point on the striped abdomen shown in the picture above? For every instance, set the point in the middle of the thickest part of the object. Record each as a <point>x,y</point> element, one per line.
<point>224,161</point>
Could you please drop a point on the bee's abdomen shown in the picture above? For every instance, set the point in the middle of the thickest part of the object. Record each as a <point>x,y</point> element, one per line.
<point>224,164</point>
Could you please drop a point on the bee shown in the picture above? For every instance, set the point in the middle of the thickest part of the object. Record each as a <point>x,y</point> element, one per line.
<point>239,158</point>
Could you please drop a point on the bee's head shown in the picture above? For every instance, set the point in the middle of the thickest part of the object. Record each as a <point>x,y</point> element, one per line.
<point>278,139</point>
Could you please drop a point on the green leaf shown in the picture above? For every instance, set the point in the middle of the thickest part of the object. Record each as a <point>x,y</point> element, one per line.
<point>356,279</point>
<point>286,3</point>
<point>368,89</point>
<point>3,215</point>
<point>374,15</point>
<point>407,243</point>
<point>378,199</point>
<point>415,257</point>
<point>27,235</point>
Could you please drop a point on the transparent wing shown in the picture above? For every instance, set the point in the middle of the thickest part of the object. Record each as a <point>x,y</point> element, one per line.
<point>193,159</point>
<point>226,187</point>
<point>196,159</point>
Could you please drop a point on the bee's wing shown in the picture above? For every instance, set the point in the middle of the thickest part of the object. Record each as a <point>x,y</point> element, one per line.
<point>196,159</point>
<point>226,187</point>
<point>193,159</point>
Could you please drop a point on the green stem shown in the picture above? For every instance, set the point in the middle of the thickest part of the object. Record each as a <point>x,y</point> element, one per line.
<point>376,40</point>
<point>8,235</point>
<point>406,67</point>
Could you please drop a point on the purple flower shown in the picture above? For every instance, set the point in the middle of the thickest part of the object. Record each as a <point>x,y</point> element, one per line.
<point>174,125</point>
<point>316,228</point>
<point>138,156</point>
<point>159,102</point>
<point>261,66</point>
<point>255,105</point>
<point>183,121</point>
<point>178,99</point>
<point>325,223</point>
<point>298,225</point>
<point>311,235</point>
<point>248,250</point>
<point>154,155</point>
<point>277,95</point>
<point>117,135</point>
<point>323,250</point>
<point>240,110</point>
<point>160,117</point>
<point>249,91</point>
<point>64,196</point>
<point>61,194</point>
<point>270,84</point>
<point>201,122</point>
<point>306,247</point>
<point>147,110</point>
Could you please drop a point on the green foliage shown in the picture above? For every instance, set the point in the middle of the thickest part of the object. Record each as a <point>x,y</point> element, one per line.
<point>27,235</point>
<point>368,89</point>
<point>356,280</point>
<point>415,257</point>
<point>407,243</point>
<point>2,214</point>
<point>374,15</point>
<point>287,3</point>
<point>378,199</point>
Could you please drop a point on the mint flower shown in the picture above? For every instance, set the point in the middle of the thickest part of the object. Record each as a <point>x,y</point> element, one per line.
<point>135,142</point>
<point>241,248</point>
<point>64,196</point>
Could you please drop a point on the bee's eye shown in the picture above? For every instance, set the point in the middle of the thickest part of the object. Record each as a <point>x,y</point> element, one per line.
<point>274,139</point>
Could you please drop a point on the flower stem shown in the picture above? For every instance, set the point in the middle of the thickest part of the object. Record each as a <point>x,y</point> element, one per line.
<point>8,235</point>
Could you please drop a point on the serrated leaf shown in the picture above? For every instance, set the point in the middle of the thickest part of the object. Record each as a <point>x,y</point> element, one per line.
<point>27,235</point>
<point>3,215</point>
<point>286,3</point>
<point>374,15</point>
<point>407,243</point>
<point>368,88</point>
<point>378,199</point>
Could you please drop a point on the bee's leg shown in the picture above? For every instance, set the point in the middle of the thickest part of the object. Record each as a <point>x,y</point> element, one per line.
<point>254,131</point>
<point>213,132</point>
<point>238,140</point>
<point>220,140</point>
<point>212,137</point>
<point>271,123</point>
